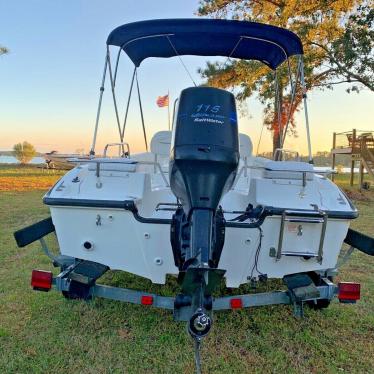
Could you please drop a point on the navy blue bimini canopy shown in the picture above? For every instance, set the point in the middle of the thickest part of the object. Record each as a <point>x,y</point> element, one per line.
<point>206,37</point>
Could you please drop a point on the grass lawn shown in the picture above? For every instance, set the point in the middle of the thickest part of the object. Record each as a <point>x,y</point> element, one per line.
<point>45,333</point>
<point>27,178</point>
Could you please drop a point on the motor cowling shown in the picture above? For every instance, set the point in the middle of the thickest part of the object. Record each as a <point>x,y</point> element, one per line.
<point>204,148</point>
<point>203,163</point>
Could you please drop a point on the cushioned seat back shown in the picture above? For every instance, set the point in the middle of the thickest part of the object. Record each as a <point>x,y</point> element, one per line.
<point>160,143</point>
<point>245,146</point>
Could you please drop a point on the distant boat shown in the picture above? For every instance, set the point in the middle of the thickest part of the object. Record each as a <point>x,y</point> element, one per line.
<point>57,160</point>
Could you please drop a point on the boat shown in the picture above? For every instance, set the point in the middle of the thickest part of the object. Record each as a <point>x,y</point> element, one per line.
<point>57,160</point>
<point>198,204</point>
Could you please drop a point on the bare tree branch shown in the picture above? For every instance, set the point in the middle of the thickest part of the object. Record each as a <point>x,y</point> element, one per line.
<point>326,84</point>
<point>342,68</point>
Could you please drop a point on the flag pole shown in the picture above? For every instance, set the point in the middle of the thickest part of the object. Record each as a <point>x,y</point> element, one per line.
<point>168,111</point>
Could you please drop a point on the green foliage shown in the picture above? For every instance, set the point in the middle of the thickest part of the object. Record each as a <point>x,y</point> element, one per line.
<point>338,42</point>
<point>352,54</point>
<point>24,152</point>
<point>3,50</point>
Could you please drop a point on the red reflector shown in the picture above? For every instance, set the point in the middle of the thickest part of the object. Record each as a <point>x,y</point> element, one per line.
<point>147,300</point>
<point>348,291</point>
<point>41,280</point>
<point>236,303</point>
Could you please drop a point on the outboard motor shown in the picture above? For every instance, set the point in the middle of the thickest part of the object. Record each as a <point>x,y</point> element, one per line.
<point>203,163</point>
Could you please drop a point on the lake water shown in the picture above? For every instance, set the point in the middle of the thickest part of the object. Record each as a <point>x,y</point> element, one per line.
<point>13,160</point>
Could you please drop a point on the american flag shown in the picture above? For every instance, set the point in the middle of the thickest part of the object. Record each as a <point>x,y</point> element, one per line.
<point>163,101</point>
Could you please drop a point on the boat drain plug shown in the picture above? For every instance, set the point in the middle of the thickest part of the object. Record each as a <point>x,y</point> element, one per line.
<point>88,246</point>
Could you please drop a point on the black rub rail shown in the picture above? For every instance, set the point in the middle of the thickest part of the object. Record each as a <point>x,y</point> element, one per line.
<point>36,231</point>
<point>130,206</point>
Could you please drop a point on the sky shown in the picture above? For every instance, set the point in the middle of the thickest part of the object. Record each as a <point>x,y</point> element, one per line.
<point>49,82</point>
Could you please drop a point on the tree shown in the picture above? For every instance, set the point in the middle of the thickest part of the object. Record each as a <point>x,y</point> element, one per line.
<point>338,42</point>
<point>24,152</point>
<point>3,50</point>
<point>352,54</point>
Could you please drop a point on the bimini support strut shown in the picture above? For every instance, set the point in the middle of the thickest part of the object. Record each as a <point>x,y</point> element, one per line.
<point>92,151</point>
<point>128,102</point>
<point>278,108</point>
<point>306,112</point>
<point>141,110</point>
<point>112,83</point>
<point>292,102</point>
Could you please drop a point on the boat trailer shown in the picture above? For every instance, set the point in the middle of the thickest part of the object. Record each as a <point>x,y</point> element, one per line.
<point>77,280</point>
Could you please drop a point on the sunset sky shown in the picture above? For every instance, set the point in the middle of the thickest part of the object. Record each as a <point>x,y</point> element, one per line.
<point>50,79</point>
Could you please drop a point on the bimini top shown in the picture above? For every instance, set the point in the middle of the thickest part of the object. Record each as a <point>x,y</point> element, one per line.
<point>206,37</point>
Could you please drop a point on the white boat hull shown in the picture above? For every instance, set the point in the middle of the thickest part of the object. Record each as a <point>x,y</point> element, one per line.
<point>121,241</point>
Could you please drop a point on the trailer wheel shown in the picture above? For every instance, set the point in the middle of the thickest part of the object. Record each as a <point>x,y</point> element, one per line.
<point>320,303</point>
<point>77,291</point>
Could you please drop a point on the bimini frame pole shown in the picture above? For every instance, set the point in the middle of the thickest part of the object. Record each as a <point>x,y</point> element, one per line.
<point>293,95</point>
<point>128,103</point>
<point>117,63</point>
<point>277,107</point>
<point>141,110</point>
<point>122,135</point>
<point>112,83</point>
<point>306,111</point>
<point>92,151</point>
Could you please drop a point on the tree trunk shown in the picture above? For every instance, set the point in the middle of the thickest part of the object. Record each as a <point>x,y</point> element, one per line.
<point>276,141</point>
<point>278,120</point>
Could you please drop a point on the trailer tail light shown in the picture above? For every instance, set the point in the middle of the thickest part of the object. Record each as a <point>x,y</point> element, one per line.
<point>348,292</point>
<point>147,300</point>
<point>41,280</point>
<point>236,303</point>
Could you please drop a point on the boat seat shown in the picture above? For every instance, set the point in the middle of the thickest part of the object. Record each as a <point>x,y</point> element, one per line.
<point>245,146</point>
<point>288,170</point>
<point>160,147</point>
<point>160,143</point>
